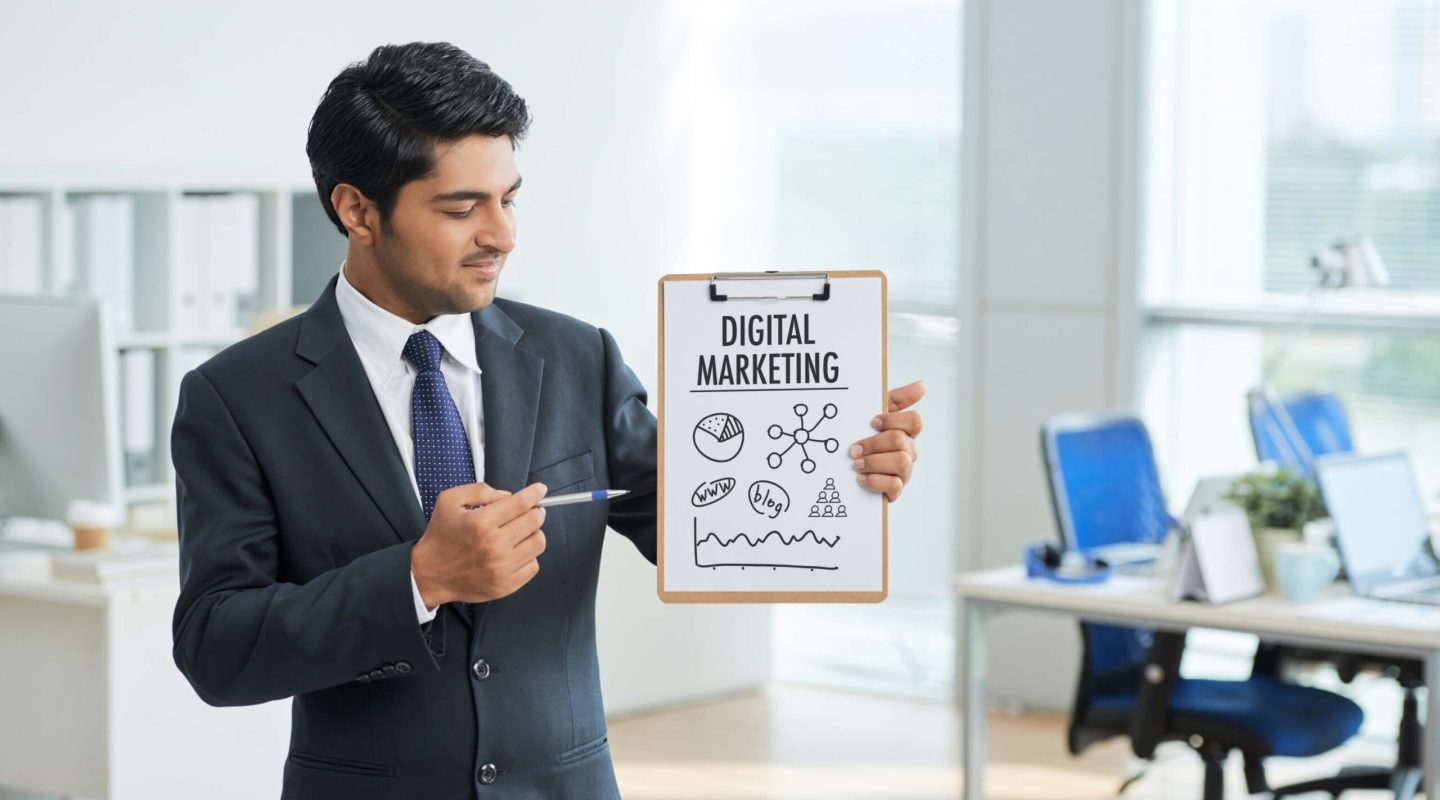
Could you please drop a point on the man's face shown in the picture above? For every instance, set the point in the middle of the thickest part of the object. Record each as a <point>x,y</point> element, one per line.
<point>449,234</point>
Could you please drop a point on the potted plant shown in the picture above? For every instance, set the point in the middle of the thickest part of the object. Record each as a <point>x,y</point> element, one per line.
<point>1278,503</point>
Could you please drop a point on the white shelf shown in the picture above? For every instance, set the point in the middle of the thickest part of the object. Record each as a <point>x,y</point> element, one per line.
<point>159,340</point>
<point>145,286</point>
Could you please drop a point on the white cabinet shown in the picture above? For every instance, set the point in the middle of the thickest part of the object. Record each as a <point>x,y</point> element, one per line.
<point>107,715</point>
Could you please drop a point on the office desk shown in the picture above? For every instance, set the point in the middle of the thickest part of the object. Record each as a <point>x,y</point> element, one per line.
<point>1334,622</point>
<point>93,706</point>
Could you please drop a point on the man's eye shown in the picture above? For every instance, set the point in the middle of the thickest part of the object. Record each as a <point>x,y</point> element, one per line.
<point>460,214</point>
<point>510,203</point>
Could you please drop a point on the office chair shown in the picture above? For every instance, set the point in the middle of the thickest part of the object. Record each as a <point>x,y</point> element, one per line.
<point>1105,489</point>
<point>1320,422</point>
<point>1292,430</point>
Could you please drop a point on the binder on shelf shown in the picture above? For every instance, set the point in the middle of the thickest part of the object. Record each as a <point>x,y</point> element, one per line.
<point>235,261</point>
<point>104,231</point>
<point>62,279</point>
<point>217,272</point>
<point>137,386</point>
<point>188,269</point>
<point>21,230</point>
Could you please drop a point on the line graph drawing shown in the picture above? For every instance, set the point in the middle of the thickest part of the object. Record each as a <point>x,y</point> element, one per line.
<point>801,436</point>
<point>774,550</point>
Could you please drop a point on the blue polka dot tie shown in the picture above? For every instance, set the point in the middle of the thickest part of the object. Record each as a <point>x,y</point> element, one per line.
<point>442,453</point>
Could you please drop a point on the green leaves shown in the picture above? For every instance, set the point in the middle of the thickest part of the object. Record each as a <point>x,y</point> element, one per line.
<point>1279,499</point>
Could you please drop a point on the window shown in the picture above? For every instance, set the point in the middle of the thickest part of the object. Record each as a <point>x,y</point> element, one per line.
<point>844,119</point>
<point>1275,129</point>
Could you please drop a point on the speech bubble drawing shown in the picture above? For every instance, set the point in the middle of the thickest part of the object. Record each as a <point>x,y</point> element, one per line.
<point>768,499</point>
<point>711,492</point>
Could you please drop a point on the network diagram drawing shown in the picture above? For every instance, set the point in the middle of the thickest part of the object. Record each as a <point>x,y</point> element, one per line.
<point>801,436</point>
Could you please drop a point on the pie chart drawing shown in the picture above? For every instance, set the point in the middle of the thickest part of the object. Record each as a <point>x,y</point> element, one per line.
<point>719,437</point>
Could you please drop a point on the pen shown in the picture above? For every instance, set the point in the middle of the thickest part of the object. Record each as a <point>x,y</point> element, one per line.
<point>580,497</point>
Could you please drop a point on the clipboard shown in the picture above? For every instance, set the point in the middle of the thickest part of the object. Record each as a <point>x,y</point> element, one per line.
<point>760,374</point>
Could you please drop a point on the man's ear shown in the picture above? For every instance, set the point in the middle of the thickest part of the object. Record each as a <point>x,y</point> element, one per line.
<point>357,213</point>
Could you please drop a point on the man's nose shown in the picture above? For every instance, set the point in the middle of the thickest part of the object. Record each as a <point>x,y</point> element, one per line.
<point>498,232</point>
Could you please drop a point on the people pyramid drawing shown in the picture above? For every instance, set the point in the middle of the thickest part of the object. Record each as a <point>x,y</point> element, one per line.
<point>828,504</point>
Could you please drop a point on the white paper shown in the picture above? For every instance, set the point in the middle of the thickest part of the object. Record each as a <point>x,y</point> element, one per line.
<point>1366,611</point>
<point>760,493</point>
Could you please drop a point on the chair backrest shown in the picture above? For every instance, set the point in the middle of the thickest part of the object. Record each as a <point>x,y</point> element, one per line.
<point>1317,418</point>
<point>1105,489</point>
<point>1103,480</point>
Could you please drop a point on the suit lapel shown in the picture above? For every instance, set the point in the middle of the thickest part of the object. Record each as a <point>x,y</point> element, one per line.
<point>339,394</point>
<point>341,398</point>
<point>510,394</point>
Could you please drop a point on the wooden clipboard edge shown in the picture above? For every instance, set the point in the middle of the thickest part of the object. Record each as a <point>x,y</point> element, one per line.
<point>768,597</point>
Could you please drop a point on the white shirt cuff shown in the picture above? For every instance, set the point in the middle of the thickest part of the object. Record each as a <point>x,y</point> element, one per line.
<point>421,612</point>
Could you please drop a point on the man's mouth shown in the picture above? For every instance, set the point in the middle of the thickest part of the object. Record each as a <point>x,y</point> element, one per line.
<point>489,267</point>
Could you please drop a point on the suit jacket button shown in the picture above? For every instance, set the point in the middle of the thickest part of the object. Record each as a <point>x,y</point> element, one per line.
<point>376,674</point>
<point>480,669</point>
<point>389,670</point>
<point>488,773</point>
<point>402,667</point>
<point>363,678</point>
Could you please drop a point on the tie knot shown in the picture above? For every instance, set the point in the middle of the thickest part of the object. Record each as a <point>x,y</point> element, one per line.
<point>422,350</point>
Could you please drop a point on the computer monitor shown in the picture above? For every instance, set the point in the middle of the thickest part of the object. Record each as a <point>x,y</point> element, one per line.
<point>59,409</point>
<point>1379,519</point>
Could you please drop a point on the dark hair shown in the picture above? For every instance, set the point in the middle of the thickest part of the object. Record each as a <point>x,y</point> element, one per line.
<point>377,125</point>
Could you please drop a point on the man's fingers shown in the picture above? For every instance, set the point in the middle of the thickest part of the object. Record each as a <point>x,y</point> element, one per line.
<point>523,575</point>
<point>471,495</point>
<point>897,463</point>
<point>531,546</point>
<point>889,485</point>
<point>906,396</point>
<point>504,510</point>
<point>517,530</point>
<point>907,421</point>
<point>887,442</point>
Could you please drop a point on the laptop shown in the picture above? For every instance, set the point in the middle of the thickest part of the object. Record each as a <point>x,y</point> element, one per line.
<point>1381,526</point>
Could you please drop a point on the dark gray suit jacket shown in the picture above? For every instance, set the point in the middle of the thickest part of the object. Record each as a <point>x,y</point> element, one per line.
<point>296,523</point>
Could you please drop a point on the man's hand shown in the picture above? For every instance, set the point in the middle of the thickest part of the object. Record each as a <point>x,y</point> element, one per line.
<point>884,460</point>
<point>481,544</point>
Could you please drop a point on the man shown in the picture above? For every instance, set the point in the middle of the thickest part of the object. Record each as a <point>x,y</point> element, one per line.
<point>358,519</point>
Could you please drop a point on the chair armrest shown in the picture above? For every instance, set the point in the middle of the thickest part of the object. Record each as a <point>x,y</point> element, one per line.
<point>1152,696</point>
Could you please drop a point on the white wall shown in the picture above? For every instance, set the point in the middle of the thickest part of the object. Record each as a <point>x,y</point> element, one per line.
<point>1048,322</point>
<point>213,92</point>
<point>1049,234</point>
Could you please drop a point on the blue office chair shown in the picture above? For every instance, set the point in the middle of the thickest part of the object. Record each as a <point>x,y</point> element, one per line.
<point>1316,425</point>
<point>1106,490</point>
<point>1319,422</point>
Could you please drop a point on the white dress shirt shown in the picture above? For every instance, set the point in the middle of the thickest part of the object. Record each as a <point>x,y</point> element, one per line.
<point>380,338</point>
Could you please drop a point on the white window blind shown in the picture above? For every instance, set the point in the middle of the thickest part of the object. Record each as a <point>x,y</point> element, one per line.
<point>1275,128</point>
<point>1353,135</point>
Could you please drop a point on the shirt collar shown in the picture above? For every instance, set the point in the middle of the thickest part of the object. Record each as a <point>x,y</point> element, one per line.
<point>380,336</point>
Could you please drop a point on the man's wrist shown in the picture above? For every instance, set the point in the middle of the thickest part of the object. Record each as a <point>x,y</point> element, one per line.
<point>423,614</point>
<point>425,588</point>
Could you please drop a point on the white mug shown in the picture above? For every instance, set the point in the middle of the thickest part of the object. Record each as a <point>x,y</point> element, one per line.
<point>1302,569</point>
